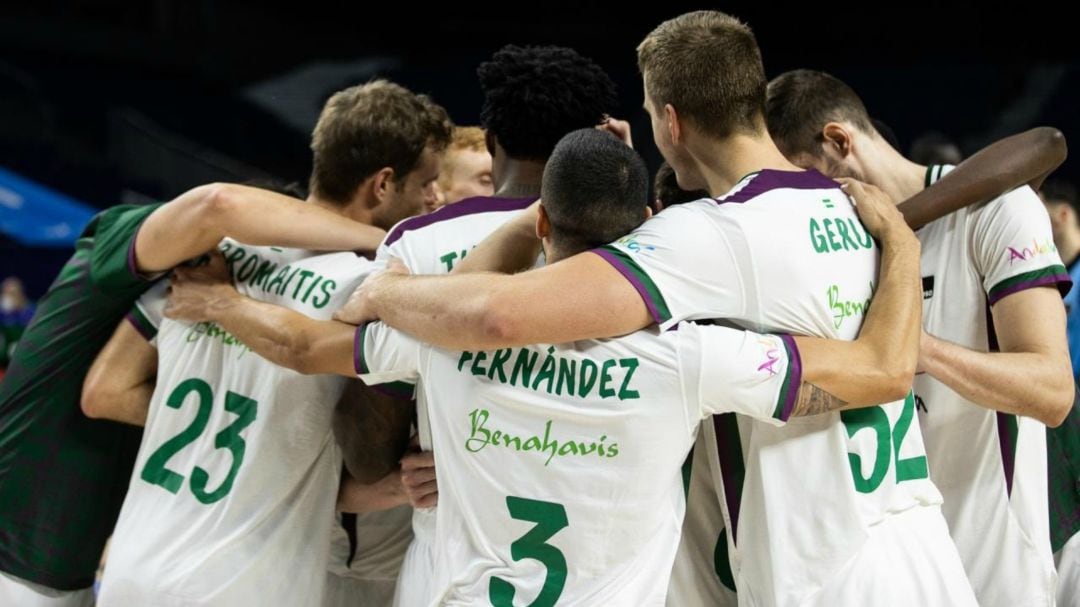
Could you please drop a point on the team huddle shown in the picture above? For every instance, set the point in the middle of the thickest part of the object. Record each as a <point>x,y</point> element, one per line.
<point>806,372</point>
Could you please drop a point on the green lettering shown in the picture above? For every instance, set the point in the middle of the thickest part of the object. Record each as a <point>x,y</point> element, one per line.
<point>448,259</point>
<point>278,279</point>
<point>304,275</point>
<point>631,365</point>
<point>549,444</point>
<point>497,362</point>
<point>587,378</point>
<point>249,266</point>
<point>327,289</point>
<point>285,285</point>
<point>547,371</point>
<point>479,437</point>
<point>832,237</point>
<point>572,448</point>
<point>816,238</point>
<point>845,237</point>
<point>476,368</point>
<point>307,293</point>
<point>235,255</point>
<point>605,377</point>
<point>567,371</point>
<point>465,356</point>
<point>523,366</point>
<point>266,268</point>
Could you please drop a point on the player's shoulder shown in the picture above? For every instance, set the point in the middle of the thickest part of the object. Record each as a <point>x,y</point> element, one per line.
<point>768,184</point>
<point>1021,203</point>
<point>447,214</point>
<point>651,343</point>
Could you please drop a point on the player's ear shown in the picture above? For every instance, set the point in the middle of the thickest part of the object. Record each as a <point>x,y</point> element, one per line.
<point>382,182</point>
<point>674,126</point>
<point>648,211</point>
<point>837,139</point>
<point>543,224</point>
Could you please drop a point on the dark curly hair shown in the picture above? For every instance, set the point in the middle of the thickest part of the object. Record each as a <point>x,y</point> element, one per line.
<point>535,95</point>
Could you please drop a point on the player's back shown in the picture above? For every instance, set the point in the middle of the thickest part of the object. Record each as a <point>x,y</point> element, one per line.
<point>236,480</point>
<point>787,254</point>
<point>434,243</point>
<point>559,470</point>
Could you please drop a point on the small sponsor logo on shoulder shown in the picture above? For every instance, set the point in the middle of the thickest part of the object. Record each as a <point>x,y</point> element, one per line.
<point>1031,251</point>
<point>633,245</point>
<point>927,287</point>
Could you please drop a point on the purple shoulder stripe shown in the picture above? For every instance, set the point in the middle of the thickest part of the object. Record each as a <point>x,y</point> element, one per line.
<point>469,206</point>
<point>142,327</point>
<point>770,179</point>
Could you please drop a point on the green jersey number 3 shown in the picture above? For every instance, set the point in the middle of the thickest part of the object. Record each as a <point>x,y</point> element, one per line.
<point>550,518</point>
<point>156,473</point>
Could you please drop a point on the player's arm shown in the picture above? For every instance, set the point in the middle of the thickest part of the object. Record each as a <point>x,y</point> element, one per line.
<point>413,484</point>
<point>1030,376</point>
<point>878,366</point>
<point>282,336</point>
<point>1027,158</point>
<point>198,219</point>
<point>121,380</point>
<point>582,297</point>
<point>372,430</point>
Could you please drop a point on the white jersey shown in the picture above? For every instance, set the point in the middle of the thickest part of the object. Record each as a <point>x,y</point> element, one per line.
<point>366,553</point>
<point>702,574</point>
<point>995,487</point>
<point>234,487</point>
<point>559,466</point>
<point>432,244</point>
<point>785,251</point>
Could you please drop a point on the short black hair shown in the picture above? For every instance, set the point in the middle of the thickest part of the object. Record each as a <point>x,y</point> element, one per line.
<point>667,192</point>
<point>595,189</point>
<point>1059,190</point>
<point>799,103</point>
<point>535,95</point>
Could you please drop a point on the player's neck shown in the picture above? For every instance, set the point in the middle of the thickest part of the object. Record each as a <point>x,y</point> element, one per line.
<point>886,168</point>
<point>722,163</point>
<point>519,179</point>
<point>360,213</point>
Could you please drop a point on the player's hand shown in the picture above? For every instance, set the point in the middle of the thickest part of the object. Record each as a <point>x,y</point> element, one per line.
<point>876,209</point>
<point>418,478</point>
<point>619,128</point>
<point>195,293</point>
<point>359,309</point>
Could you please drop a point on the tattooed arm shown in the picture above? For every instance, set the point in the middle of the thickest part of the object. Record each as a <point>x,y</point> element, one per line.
<point>812,400</point>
